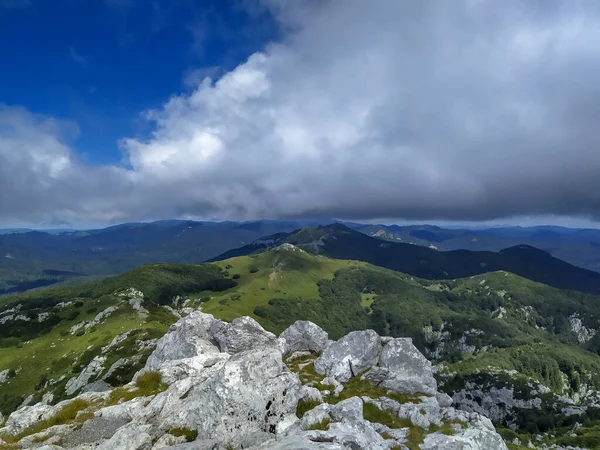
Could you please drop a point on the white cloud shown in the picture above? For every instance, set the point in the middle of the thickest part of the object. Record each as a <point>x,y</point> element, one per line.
<point>420,110</point>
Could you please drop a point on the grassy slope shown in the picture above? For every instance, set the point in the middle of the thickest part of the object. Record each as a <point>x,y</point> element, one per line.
<point>339,295</point>
<point>48,350</point>
<point>281,274</point>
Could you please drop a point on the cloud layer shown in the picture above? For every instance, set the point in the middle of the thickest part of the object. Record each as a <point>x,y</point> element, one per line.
<point>389,109</point>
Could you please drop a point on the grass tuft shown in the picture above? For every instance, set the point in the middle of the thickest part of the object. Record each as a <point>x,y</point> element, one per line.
<point>189,434</point>
<point>67,414</point>
<point>304,406</point>
<point>322,425</point>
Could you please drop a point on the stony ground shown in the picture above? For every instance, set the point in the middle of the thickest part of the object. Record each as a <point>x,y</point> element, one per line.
<point>216,385</point>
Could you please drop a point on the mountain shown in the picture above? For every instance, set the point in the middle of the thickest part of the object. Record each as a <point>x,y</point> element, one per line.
<point>339,241</point>
<point>576,246</point>
<point>37,258</point>
<point>517,351</point>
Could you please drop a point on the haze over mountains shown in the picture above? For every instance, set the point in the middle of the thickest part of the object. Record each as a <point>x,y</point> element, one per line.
<point>37,258</point>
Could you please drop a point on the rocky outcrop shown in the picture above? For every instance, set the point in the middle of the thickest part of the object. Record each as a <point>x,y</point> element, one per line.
<point>402,368</point>
<point>351,355</point>
<point>92,370</point>
<point>228,387</point>
<point>303,336</point>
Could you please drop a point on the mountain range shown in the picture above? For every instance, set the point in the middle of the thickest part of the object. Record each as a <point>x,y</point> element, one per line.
<point>30,259</point>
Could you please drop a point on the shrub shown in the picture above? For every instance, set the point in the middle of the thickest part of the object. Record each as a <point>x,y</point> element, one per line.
<point>150,381</point>
<point>236,276</point>
<point>253,269</point>
<point>78,304</point>
<point>73,315</point>
<point>91,310</point>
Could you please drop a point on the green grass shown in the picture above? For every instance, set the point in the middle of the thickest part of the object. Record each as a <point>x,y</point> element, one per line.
<point>322,425</point>
<point>148,383</point>
<point>304,406</point>
<point>189,434</point>
<point>67,414</point>
<point>282,274</point>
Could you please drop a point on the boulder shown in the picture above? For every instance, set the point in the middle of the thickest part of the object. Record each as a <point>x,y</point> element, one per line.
<point>303,336</point>
<point>26,416</point>
<point>298,442</point>
<point>243,333</point>
<point>251,392</point>
<point>92,370</point>
<point>402,368</point>
<point>480,435</point>
<point>349,356</point>
<point>129,437</point>
<point>188,337</point>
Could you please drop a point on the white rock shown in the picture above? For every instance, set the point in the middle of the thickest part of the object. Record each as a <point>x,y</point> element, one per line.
<point>92,370</point>
<point>352,354</point>
<point>402,368</point>
<point>129,437</point>
<point>303,336</point>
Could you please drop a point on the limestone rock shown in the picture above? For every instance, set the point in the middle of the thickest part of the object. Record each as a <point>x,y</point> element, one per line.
<point>129,437</point>
<point>402,368</point>
<point>26,416</point>
<point>352,354</point>
<point>303,336</point>
<point>188,337</point>
<point>480,435</point>
<point>243,333</point>
<point>298,442</point>
<point>168,440</point>
<point>250,392</point>
<point>92,370</point>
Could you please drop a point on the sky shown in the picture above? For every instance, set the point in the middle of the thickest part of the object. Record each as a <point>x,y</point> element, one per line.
<point>394,111</point>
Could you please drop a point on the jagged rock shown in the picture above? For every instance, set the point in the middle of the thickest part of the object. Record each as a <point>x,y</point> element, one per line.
<point>129,437</point>
<point>350,409</point>
<point>228,382</point>
<point>93,369</point>
<point>251,392</point>
<point>241,334</point>
<point>303,336</point>
<point>311,394</point>
<point>26,416</point>
<point>202,444</point>
<point>350,355</point>
<point>480,435</point>
<point>168,440</point>
<point>188,337</point>
<point>121,363</point>
<point>116,341</point>
<point>298,442</point>
<point>402,368</point>
<point>97,386</point>
<point>423,414</point>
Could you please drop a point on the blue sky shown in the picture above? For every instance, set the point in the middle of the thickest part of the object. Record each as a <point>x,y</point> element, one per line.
<point>388,111</point>
<point>100,63</point>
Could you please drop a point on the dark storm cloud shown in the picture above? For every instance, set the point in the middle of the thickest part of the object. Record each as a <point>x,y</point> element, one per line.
<point>423,110</point>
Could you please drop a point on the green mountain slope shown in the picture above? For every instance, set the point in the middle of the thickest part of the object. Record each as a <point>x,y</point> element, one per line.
<point>33,259</point>
<point>339,241</point>
<point>490,333</point>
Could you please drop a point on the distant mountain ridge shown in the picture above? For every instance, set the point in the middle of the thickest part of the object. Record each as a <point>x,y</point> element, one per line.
<point>25,256</point>
<point>341,242</point>
<point>578,246</point>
